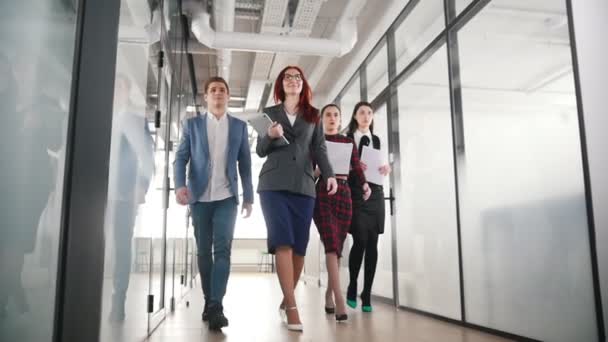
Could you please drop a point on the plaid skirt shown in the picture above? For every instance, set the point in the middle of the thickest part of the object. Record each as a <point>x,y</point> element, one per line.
<point>332,216</point>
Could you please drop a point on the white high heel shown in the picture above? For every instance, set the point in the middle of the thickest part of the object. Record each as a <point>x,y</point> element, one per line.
<point>293,327</point>
<point>283,314</point>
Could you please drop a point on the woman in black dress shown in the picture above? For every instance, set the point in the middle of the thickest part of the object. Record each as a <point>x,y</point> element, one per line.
<point>332,214</point>
<point>368,216</point>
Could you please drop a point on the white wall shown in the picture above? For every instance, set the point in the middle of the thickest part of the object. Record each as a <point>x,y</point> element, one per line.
<point>592,47</point>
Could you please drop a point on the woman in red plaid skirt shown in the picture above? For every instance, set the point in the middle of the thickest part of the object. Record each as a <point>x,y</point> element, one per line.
<point>332,214</point>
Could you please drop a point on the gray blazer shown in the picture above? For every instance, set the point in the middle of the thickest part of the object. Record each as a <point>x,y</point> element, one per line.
<point>289,166</point>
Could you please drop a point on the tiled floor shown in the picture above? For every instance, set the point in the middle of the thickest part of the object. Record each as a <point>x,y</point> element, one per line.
<point>251,306</point>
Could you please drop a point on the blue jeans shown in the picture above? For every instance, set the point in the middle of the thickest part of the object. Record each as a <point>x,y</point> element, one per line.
<point>214,229</point>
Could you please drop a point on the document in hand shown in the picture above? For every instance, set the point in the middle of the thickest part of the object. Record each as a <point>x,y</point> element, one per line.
<point>261,123</point>
<point>339,156</point>
<point>374,159</point>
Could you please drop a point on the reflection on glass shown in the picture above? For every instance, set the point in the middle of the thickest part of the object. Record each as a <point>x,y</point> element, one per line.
<point>132,162</point>
<point>524,226</point>
<point>133,209</point>
<point>132,169</point>
<point>37,39</point>
<point>418,30</point>
<point>427,241</point>
<point>377,72</point>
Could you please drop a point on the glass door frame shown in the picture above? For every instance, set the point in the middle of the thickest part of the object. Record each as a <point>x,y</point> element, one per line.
<point>392,142</point>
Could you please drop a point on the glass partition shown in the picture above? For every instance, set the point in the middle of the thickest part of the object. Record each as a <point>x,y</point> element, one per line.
<point>36,63</point>
<point>427,240</point>
<point>416,31</point>
<point>376,72</point>
<point>524,225</point>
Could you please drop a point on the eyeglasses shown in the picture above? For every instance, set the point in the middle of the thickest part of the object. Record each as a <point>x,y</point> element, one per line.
<point>296,77</point>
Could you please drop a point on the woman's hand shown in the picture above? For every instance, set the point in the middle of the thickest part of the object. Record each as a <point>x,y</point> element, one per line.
<point>332,186</point>
<point>385,170</point>
<point>317,172</point>
<point>275,131</point>
<point>367,191</point>
<point>363,166</point>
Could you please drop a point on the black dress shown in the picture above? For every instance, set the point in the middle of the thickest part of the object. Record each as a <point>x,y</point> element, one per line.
<point>368,216</point>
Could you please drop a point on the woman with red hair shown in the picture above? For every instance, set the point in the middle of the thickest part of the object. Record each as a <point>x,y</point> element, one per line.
<point>287,186</point>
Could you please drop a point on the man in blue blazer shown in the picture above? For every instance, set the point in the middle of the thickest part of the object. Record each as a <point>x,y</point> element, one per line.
<point>212,146</point>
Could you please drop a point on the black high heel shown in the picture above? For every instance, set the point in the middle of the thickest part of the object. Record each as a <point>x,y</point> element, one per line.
<point>342,318</point>
<point>330,310</point>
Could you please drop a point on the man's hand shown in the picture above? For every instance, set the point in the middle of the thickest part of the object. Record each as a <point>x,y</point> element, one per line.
<point>275,131</point>
<point>247,207</point>
<point>367,191</point>
<point>182,195</point>
<point>332,186</point>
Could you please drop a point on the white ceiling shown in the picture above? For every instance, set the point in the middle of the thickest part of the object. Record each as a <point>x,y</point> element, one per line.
<point>512,46</point>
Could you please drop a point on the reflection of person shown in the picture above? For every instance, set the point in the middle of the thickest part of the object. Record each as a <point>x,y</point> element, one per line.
<point>286,185</point>
<point>368,216</point>
<point>213,144</point>
<point>332,214</point>
<point>27,175</point>
<point>131,171</point>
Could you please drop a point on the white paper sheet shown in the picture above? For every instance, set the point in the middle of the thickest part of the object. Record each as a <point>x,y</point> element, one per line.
<point>374,159</point>
<point>339,156</point>
<point>261,123</point>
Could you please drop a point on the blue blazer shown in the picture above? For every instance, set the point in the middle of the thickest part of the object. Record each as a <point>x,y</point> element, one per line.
<point>194,151</point>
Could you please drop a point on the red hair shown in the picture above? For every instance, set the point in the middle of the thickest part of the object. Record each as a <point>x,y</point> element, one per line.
<point>309,113</point>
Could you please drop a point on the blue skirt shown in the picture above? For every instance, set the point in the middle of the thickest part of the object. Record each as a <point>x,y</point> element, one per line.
<point>288,216</point>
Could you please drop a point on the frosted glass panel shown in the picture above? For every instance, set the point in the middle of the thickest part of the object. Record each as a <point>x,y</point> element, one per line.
<point>36,61</point>
<point>427,241</point>
<point>524,226</point>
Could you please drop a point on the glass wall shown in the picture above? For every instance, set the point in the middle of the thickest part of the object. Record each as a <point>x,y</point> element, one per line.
<point>134,210</point>
<point>415,31</point>
<point>589,18</point>
<point>148,254</point>
<point>36,61</point>
<point>349,99</point>
<point>462,4</point>
<point>524,225</point>
<point>427,241</point>
<point>377,72</point>
<point>505,209</point>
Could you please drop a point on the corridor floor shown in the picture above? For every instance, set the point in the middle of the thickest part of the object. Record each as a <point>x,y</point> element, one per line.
<point>251,306</point>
